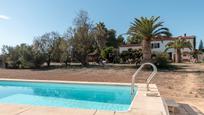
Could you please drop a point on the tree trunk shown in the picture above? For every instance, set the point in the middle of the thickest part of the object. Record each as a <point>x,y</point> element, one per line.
<point>66,64</point>
<point>178,56</point>
<point>146,50</point>
<point>48,64</point>
<point>84,61</point>
<point>48,61</point>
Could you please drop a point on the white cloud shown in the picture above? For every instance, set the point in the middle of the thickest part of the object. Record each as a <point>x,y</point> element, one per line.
<point>3,17</point>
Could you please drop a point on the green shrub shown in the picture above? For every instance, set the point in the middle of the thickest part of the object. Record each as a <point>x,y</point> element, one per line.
<point>124,56</point>
<point>22,56</point>
<point>161,60</point>
<point>131,56</point>
<point>109,53</point>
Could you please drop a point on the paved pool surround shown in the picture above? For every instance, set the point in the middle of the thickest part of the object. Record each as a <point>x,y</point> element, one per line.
<point>141,105</point>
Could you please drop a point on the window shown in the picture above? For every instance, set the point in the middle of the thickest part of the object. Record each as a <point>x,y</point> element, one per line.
<point>155,45</point>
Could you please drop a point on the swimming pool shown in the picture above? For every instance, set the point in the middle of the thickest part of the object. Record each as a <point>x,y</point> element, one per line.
<point>83,96</point>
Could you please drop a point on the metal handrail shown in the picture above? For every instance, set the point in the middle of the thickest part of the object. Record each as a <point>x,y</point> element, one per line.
<point>148,79</point>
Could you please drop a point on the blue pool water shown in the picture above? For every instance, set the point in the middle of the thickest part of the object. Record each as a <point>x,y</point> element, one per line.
<point>101,97</point>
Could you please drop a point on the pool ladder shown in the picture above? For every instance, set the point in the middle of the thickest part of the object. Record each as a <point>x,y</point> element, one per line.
<point>148,79</point>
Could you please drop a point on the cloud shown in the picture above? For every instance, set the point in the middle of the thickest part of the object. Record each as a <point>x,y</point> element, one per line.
<point>3,17</point>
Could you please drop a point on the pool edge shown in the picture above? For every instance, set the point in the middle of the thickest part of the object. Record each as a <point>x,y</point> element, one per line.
<point>140,87</point>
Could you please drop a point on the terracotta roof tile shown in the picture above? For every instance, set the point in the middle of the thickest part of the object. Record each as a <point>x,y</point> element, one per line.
<point>160,39</point>
<point>131,45</point>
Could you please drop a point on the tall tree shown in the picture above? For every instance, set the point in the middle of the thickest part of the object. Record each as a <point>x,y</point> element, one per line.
<point>101,34</point>
<point>46,45</point>
<point>9,55</point>
<point>111,40</point>
<point>120,40</point>
<point>178,44</point>
<point>65,49</point>
<point>25,56</point>
<point>82,37</point>
<point>148,29</point>
<point>200,47</point>
<point>58,50</point>
<point>20,56</point>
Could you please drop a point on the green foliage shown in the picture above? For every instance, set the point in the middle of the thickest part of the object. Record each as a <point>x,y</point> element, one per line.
<point>47,45</point>
<point>131,56</point>
<point>148,29</point>
<point>21,56</point>
<point>25,56</point>
<point>38,58</point>
<point>107,52</point>
<point>134,40</point>
<point>161,60</point>
<point>120,40</point>
<point>110,54</point>
<point>124,56</point>
<point>9,54</point>
<point>178,44</point>
<point>65,51</point>
<point>200,47</point>
<point>111,40</point>
<point>101,35</point>
<point>82,38</point>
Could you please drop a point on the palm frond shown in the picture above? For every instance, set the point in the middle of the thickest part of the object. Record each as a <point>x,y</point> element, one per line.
<point>149,28</point>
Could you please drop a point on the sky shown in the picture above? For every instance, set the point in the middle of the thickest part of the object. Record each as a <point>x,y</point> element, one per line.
<point>22,20</point>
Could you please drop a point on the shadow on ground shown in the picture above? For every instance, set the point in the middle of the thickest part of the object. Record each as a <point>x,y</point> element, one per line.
<point>185,109</point>
<point>94,66</point>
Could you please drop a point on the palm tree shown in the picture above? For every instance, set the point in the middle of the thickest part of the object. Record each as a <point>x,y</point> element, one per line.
<point>178,44</point>
<point>148,29</point>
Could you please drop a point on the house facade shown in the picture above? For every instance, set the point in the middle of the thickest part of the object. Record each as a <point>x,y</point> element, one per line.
<point>159,46</point>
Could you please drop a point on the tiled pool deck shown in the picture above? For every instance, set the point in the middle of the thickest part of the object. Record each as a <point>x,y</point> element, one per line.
<point>142,104</point>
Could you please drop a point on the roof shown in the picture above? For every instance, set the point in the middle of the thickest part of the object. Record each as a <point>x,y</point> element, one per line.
<point>131,45</point>
<point>160,39</point>
<point>172,38</point>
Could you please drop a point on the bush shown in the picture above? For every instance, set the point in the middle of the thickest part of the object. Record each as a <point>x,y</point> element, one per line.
<point>108,53</point>
<point>22,56</point>
<point>161,60</point>
<point>38,59</point>
<point>124,56</point>
<point>116,59</point>
<point>131,56</point>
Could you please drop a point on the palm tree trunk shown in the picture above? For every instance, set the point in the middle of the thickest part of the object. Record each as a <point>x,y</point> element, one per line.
<point>178,56</point>
<point>146,50</point>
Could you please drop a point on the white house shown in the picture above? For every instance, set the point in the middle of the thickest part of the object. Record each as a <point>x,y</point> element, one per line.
<point>159,46</point>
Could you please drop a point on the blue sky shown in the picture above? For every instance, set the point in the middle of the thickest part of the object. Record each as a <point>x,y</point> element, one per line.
<point>22,20</point>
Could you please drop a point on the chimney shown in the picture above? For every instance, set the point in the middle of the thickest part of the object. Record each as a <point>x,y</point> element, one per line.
<point>185,35</point>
